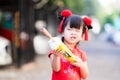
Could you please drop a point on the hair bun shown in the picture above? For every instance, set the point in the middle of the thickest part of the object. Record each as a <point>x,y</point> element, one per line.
<point>87,21</point>
<point>66,13</point>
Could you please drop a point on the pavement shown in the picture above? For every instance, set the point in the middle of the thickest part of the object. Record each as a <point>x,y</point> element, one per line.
<point>103,64</point>
<point>103,60</point>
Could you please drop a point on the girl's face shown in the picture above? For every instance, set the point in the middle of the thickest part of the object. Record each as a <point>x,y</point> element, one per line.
<point>72,35</point>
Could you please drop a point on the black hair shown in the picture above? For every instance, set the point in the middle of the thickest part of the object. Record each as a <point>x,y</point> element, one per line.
<point>76,21</point>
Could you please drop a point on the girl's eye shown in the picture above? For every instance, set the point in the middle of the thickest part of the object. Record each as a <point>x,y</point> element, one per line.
<point>68,29</point>
<point>78,30</point>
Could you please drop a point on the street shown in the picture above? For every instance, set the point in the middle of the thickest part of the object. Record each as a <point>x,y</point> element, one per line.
<point>103,60</point>
<point>103,64</point>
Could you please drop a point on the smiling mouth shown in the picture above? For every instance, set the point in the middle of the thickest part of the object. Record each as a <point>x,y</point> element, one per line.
<point>72,38</point>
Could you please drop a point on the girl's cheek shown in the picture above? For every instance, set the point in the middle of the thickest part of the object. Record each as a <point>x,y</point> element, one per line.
<point>66,34</point>
<point>79,37</point>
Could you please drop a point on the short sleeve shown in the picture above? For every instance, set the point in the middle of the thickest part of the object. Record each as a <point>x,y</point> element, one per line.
<point>50,52</point>
<point>84,56</point>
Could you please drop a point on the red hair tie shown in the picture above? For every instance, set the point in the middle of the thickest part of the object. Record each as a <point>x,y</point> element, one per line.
<point>65,13</point>
<point>86,34</point>
<point>88,23</point>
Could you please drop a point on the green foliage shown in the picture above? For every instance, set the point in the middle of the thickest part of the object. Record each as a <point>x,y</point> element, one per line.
<point>89,7</point>
<point>86,7</point>
<point>75,5</point>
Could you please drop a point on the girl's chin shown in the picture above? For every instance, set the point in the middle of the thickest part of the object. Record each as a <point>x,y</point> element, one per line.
<point>72,42</point>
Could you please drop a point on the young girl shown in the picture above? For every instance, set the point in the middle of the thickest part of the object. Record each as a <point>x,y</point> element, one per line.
<point>72,29</point>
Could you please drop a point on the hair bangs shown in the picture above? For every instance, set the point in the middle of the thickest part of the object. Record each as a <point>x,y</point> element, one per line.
<point>76,22</point>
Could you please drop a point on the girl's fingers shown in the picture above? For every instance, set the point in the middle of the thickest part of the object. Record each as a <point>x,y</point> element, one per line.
<point>58,52</point>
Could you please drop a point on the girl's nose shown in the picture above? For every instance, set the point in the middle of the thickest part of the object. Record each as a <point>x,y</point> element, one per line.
<point>73,31</point>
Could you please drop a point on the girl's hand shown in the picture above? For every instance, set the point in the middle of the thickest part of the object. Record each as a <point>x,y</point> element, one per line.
<point>58,52</point>
<point>78,62</point>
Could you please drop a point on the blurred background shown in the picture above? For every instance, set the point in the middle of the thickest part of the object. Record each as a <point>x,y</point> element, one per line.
<point>23,50</point>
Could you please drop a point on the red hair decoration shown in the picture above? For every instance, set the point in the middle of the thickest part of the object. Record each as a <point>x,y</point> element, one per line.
<point>86,34</point>
<point>88,23</point>
<point>65,13</point>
